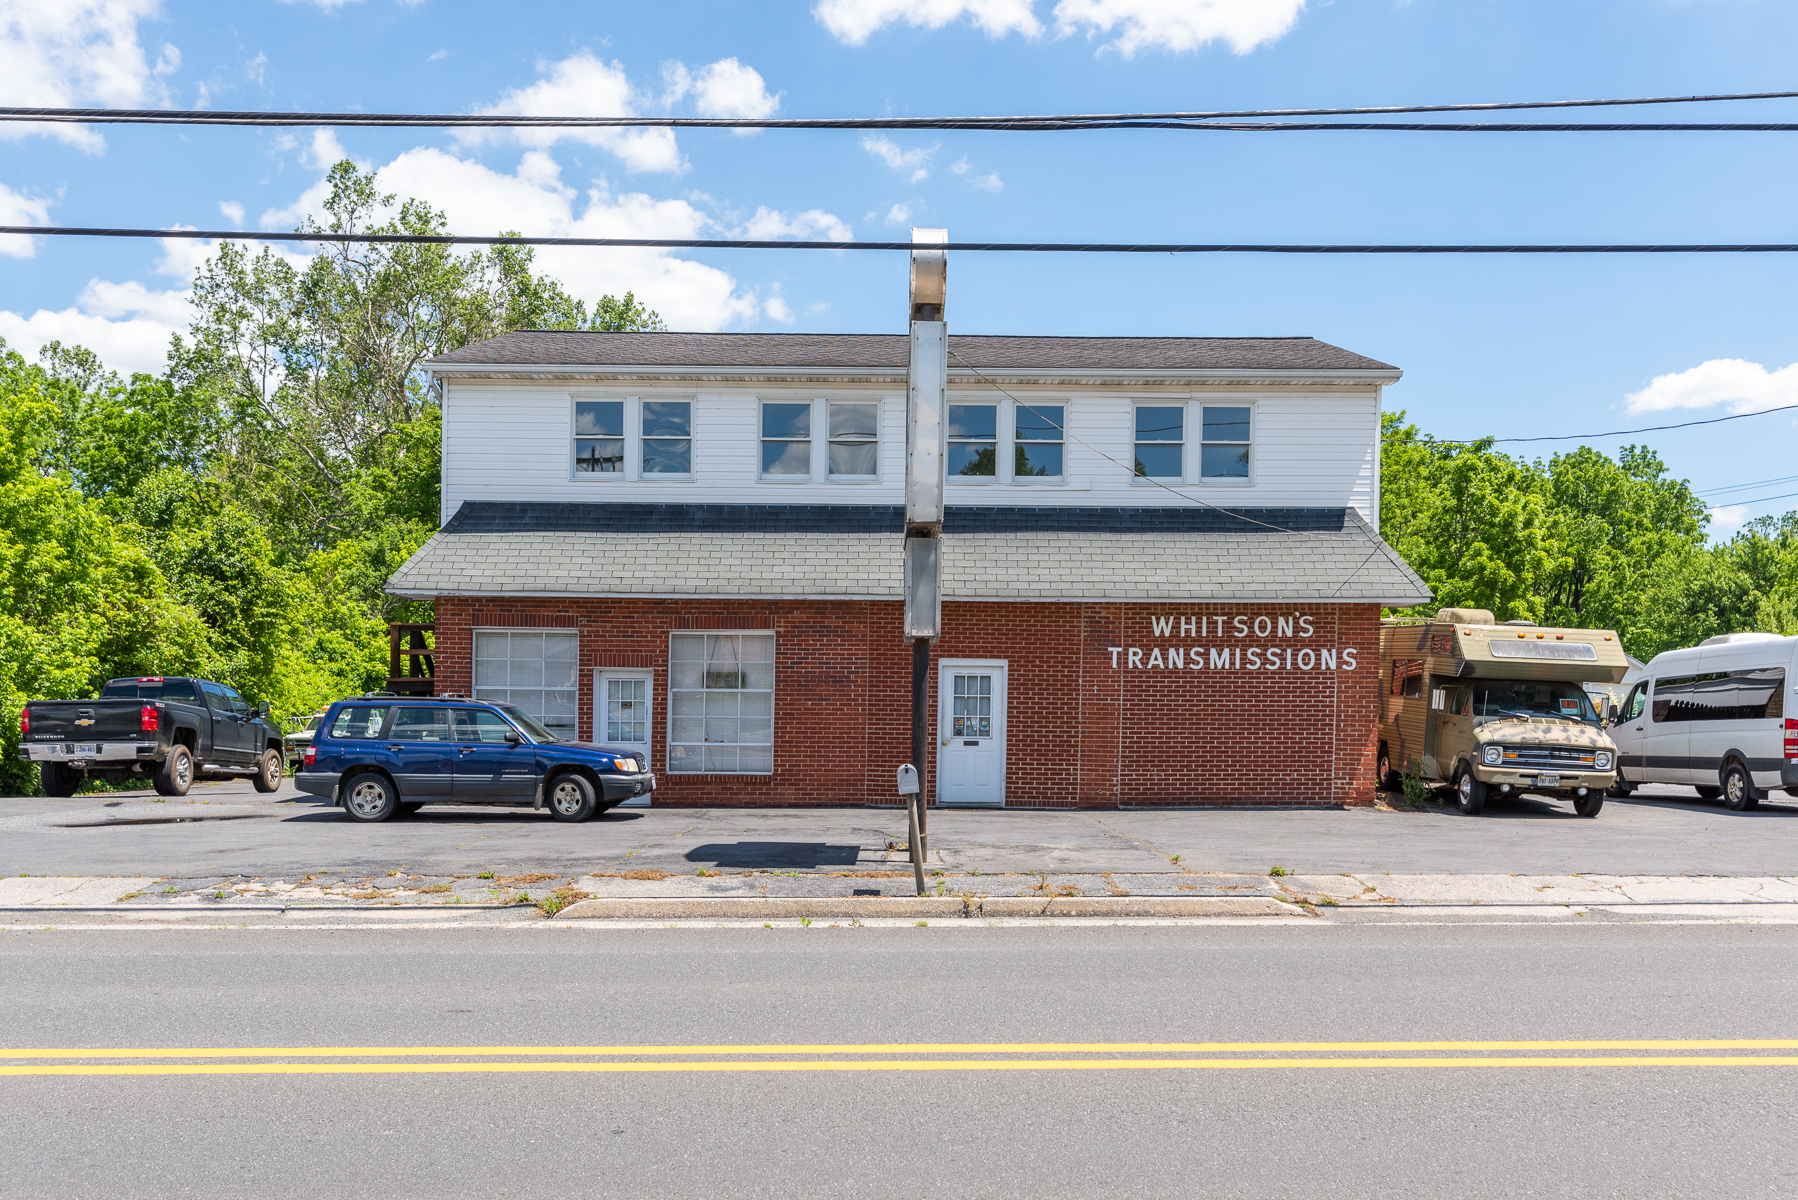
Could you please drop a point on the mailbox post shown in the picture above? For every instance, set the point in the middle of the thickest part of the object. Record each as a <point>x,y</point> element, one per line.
<point>926,449</point>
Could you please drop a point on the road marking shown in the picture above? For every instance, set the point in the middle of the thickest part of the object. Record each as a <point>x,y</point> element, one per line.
<point>907,1048</point>
<point>920,1064</point>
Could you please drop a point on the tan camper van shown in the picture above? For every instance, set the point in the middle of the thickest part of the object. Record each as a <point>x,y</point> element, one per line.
<point>1469,703</point>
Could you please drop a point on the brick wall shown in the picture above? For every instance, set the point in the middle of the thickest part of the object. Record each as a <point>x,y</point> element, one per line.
<point>1081,732</point>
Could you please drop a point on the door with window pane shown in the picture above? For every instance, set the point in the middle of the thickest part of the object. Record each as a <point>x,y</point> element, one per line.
<point>721,704</point>
<point>621,717</point>
<point>971,732</point>
<point>533,669</point>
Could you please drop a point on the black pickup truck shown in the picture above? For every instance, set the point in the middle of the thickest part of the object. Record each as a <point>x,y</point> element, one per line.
<point>169,730</point>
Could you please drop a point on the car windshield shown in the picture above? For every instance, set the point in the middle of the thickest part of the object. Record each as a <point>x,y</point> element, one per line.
<point>1532,698</point>
<point>528,724</point>
<point>315,722</point>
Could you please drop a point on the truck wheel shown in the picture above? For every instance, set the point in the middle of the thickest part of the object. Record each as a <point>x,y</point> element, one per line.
<point>268,773</point>
<point>571,798</point>
<point>59,780</point>
<point>1470,793</point>
<point>1738,787</point>
<point>368,797</point>
<point>176,774</point>
<point>1389,780</point>
<point>1588,804</point>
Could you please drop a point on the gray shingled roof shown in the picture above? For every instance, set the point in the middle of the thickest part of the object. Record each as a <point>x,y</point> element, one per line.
<point>1332,557</point>
<point>889,351</point>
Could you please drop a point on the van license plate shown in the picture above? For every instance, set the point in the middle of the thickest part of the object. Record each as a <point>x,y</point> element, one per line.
<point>86,748</point>
<point>1548,781</point>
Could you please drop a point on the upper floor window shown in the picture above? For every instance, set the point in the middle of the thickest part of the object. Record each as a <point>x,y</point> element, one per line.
<point>1224,452</point>
<point>599,437</point>
<point>854,439</point>
<point>667,437</point>
<point>787,440</point>
<point>1160,441</point>
<point>1041,438</point>
<point>974,440</point>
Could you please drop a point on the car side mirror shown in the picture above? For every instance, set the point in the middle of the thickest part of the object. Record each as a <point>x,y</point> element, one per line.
<point>514,738</point>
<point>261,711</point>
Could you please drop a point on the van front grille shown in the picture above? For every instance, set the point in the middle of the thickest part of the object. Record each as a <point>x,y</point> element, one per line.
<point>1547,756</point>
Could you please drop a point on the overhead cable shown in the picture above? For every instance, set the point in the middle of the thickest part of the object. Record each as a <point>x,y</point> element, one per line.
<point>450,239</point>
<point>1189,119</point>
<point>1575,437</point>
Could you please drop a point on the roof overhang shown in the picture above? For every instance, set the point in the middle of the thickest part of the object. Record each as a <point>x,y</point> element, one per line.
<point>621,373</point>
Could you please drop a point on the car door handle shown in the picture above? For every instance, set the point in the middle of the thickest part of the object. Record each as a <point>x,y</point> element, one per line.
<point>395,749</point>
<point>466,749</point>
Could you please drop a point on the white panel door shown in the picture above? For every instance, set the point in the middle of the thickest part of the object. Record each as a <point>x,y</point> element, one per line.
<point>971,732</point>
<point>621,711</point>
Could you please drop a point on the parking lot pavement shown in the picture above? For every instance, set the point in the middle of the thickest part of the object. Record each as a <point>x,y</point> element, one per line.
<point>229,829</point>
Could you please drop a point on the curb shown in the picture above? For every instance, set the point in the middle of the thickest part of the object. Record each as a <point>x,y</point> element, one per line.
<point>946,907</point>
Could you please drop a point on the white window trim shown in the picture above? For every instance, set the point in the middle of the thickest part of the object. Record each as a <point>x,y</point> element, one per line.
<point>633,427</point>
<point>879,439</point>
<point>668,742</point>
<point>648,676</point>
<point>1185,443</point>
<point>575,399</point>
<point>999,413</point>
<point>474,642</point>
<point>1011,443</point>
<point>761,476</point>
<point>1195,420</point>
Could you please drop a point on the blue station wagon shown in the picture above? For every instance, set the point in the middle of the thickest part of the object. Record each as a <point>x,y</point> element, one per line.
<point>377,757</point>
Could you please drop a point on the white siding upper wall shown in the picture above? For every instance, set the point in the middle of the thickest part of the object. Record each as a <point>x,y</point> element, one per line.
<point>1313,448</point>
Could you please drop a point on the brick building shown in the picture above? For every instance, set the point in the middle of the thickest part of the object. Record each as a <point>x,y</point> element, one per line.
<point>1162,570</point>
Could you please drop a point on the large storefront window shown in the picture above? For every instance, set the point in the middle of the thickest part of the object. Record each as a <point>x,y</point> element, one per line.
<point>721,704</point>
<point>534,670</point>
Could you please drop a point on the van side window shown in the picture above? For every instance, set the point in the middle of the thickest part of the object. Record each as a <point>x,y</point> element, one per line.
<point>1722,696</point>
<point>1407,679</point>
<point>1634,703</point>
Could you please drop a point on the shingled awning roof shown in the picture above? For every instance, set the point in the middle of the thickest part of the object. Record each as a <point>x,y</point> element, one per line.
<point>853,552</point>
<point>882,351</point>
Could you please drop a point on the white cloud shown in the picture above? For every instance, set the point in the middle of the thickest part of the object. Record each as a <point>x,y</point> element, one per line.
<point>812,225</point>
<point>777,307</point>
<point>1126,26</point>
<point>727,88</point>
<point>437,57</point>
<point>126,324</point>
<point>16,208</point>
<point>1177,25</point>
<point>854,21</point>
<point>989,182</point>
<point>1742,386</point>
<point>233,212</point>
<point>72,53</point>
<point>915,160</point>
<point>583,86</point>
<point>960,165</point>
<point>899,214</point>
<point>1728,516</point>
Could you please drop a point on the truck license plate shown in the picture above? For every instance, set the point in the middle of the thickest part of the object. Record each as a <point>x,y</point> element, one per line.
<point>1548,781</point>
<point>86,748</point>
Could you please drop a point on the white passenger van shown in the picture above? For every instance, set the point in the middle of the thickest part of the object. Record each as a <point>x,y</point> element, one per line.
<point>1714,717</point>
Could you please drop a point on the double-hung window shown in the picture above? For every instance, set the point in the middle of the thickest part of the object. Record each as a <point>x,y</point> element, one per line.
<point>1041,438</point>
<point>973,441</point>
<point>1225,440</point>
<point>599,437</point>
<point>721,704</point>
<point>786,440</point>
<point>854,439</point>
<point>1160,441</point>
<point>667,437</point>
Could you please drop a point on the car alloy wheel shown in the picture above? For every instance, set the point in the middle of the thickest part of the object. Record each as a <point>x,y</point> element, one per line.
<point>1738,789</point>
<point>368,799</point>
<point>184,771</point>
<point>571,798</point>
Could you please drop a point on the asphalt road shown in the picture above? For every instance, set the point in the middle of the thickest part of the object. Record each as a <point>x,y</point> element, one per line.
<point>1660,831</point>
<point>1047,1131</point>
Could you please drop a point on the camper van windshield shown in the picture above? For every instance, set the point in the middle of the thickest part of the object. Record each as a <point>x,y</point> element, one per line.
<point>1532,698</point>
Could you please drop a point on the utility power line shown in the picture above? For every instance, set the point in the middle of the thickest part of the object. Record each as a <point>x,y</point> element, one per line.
<point>449,239</point>
<point>1748,487</point>
<point>1576,437</point>
<point>1191,119</point>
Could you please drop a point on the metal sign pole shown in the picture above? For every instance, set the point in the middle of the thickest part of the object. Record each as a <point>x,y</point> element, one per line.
<point>926,449</point>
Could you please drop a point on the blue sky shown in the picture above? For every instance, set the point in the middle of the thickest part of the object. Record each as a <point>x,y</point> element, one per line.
<point>1512,347</point>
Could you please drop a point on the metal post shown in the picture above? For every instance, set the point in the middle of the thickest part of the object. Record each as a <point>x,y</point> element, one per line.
<point>920,746</point>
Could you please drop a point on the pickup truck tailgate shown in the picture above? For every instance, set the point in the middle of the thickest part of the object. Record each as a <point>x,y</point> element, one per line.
<point>84,720</point>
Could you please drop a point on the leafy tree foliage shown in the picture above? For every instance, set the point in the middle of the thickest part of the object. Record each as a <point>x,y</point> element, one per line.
<point>237,516</point>
<point>1581,539</point>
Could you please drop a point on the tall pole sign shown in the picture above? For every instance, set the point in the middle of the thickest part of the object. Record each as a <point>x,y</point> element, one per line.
<point>926,450</point>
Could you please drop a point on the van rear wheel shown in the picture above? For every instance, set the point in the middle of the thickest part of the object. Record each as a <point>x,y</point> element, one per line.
<point>1389,780</point>
<point>1738,787</point>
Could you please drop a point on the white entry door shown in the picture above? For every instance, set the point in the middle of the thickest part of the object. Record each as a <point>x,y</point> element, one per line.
<point>621,717</point>
<point>971,732</point>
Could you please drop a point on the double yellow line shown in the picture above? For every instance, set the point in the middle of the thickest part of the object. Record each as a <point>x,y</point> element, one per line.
<point>916,1056</point>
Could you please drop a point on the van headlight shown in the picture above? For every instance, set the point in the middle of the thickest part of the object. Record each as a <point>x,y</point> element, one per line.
<point>1602,760</point>
<point>1492,755</point>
